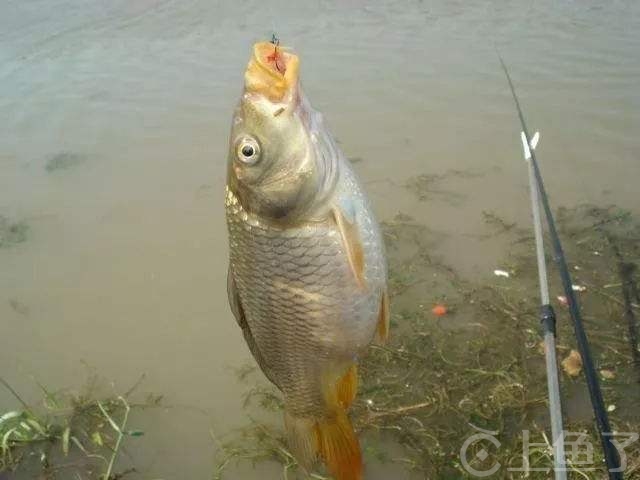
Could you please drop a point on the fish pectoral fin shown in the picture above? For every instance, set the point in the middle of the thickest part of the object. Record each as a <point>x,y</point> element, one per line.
<point>382,329</point>
<point>347,386</point>
<point>348,229</point>
<point>238,312</point>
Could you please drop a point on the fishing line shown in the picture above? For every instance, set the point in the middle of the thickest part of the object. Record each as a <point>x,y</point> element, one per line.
<point>602,421</point>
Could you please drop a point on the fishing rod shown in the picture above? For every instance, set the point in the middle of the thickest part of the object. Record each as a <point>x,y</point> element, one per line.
<point>539,195</point>
<point>548,321</point>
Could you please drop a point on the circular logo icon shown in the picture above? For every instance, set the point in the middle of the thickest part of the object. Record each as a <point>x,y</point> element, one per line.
<point>480,454</point>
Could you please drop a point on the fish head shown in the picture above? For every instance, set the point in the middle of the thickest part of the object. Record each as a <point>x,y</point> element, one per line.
<point>273,166</point>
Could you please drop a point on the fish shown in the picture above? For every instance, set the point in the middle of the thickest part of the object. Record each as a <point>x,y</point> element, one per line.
<point>307,276</point>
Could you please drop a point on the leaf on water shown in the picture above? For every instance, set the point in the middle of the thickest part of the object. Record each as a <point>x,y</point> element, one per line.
<point>79,445</point>
<point>50,398</point>
<point>9,415</point>
<point>572,364</point>
<point>97,439</point>
<point>135,433</point>
<point>608,374</point>
<point>113,424</point>
<point>25,426</point>
<point>37,426</point>
<point>5,438</point>
<point>65,441</point>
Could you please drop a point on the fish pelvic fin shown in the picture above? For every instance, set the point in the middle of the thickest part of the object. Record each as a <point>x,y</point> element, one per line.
<point>382,329</point>
<point>338,446</point>
<point>347,387</point>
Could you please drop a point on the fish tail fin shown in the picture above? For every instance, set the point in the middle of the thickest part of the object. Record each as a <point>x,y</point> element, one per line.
<point>337,442</point>
<point>302,439</point>
<point>338,446</point>
<point>331,438</point>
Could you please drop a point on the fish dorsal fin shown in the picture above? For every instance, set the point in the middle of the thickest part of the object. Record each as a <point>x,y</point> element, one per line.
<point>345,218</point>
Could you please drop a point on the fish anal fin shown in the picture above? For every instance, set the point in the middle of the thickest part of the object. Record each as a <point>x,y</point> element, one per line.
<point>382,329</point>
<point>338,446</point>
<point>352,244</point>
<point>347,387</point>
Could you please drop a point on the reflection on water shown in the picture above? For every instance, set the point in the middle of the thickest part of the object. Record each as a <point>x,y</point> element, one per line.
<point>115,120</point>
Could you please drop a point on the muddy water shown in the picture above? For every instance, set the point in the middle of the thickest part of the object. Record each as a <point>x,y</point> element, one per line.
<point>112,149</point>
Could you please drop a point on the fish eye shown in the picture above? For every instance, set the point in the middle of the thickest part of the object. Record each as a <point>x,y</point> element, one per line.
<point>248,150</point>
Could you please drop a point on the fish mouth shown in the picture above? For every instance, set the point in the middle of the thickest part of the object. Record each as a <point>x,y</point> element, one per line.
<point>272,71</point>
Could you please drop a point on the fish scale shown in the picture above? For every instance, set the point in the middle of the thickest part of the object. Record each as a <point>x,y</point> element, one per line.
<point>297,293</point>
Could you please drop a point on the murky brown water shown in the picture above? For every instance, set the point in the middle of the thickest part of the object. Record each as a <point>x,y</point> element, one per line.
<point>124,267</point>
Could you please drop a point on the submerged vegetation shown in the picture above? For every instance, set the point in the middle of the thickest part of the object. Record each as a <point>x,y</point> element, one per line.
<point>428,186</point>
<point>449,380</point>
<point>70,435</point>
<point>63,161</point>
<point>12,232</point>
<point>479,368</point>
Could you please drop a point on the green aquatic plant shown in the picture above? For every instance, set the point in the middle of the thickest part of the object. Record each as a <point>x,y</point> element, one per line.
<point>12,232</point>
<point>70,431</point>
<point>63,161</point>
<point>480,367</point>
<point>20,428</point>
<point>439,381</point>
<point>428,186</point>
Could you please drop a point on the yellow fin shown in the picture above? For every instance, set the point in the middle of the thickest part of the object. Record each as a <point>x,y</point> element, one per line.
<point>347,386</point>
<point>382,330</point>
<point>352,244</point>
<point>339,446</point>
